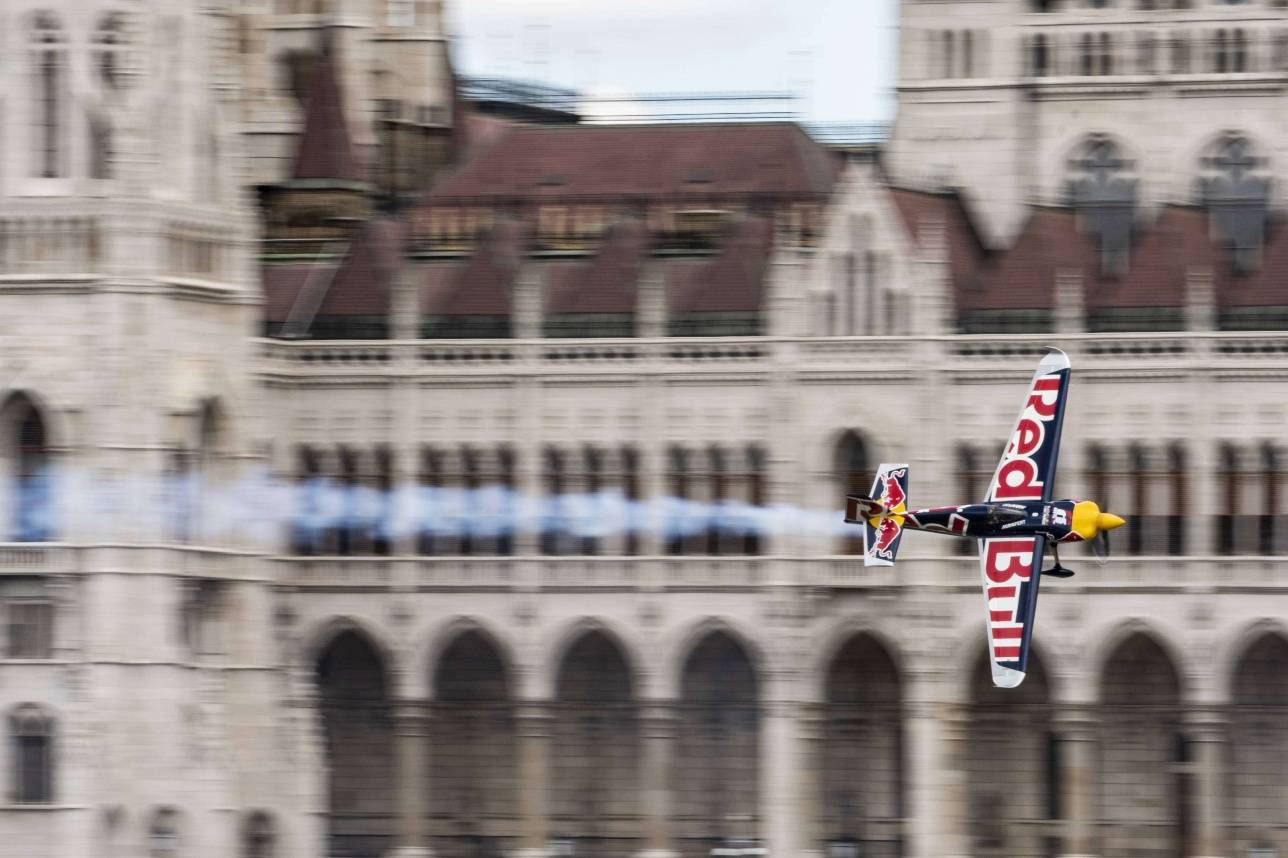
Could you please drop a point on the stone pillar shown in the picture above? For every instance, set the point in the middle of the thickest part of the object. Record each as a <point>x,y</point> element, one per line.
<point>528,312</point>
<point>1206,732</point>
<point>1075,729</point>
<point>411,777</point>
<point>809,732</point>
<point>934,781</point>
<point>657,724</point>
<point>651,311</point>
<point>1070,303</point>
<point>781,760</point>
<point>534,780</point>
<point>1200,300</point>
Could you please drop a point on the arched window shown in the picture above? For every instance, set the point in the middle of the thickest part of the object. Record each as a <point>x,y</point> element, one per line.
<point>854,475</point>
<point>1145,53</point>
<point>755,497</point>
<point>1238,51</point>
<point>508,504</point>
<point>553,526</point>
<point>31,470</point>
<point>633,496</point>
<point>49,57</point>
<point>1041,56</point>
<point>100,146</point>
<point>1228,520</point>
<point>163,834</point>
<point>1106,54</point>
<point>1180,54</point>
<point>719,489</point>
<point>592,484</point>
<point>968,54</point>
<point>1220,55</point>
<point>677,479</point>
<point>1102,190</point>
<point>1086,61</point>
<point>32,755</point>
<point>310,488</point>
<point>108,41</point>
<point>258,836</point>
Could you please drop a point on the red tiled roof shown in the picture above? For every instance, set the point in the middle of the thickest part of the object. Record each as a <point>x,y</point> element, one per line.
<point>1023,276</point>
<point>733,281</point>
<point>966,252</point>
<point>481,285</point>
<point>647,161</point>
<point>325,151</point>
<point>282,285</point>
<point>1160,258</point>
<point>359,284</point>
<point>607,283</point>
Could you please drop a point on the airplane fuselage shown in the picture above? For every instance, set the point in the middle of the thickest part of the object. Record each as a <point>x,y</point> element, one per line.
<point>1053,520</point>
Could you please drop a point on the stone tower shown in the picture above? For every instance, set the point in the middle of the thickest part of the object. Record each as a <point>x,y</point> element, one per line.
<point>392,65</point>
<point>1024,101</point>
<point>140,633</point>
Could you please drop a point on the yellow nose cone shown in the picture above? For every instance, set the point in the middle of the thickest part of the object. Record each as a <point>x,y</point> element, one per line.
<point>1108,521</point>
<point>1085,514</point>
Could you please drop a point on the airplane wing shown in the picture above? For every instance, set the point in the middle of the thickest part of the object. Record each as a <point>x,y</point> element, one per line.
<point>1011,566</point>
<point>1027,468</point>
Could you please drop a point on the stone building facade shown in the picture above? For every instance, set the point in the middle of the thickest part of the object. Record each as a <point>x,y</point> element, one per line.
<point>509,524</point>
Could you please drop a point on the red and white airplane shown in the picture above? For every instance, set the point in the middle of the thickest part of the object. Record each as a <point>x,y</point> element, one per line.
<point>1015,524</point>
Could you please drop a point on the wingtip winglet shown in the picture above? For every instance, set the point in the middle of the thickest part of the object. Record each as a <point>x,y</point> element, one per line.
<point>1055,359</point>
<point>1006,677</point>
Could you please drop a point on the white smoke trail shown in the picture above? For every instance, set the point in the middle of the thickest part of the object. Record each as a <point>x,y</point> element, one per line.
<point>267,510</point>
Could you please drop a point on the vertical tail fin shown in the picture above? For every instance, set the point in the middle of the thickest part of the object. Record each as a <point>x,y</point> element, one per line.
<point>882,514</point>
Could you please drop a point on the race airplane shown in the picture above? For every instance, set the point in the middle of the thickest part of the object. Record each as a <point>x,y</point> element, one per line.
<point>1015,524</point>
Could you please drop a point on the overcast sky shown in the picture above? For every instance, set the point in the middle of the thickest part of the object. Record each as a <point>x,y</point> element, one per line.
<point>838,54</point>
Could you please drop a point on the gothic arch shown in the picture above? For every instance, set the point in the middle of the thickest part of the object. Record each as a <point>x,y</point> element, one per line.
<point>428,657</point>
<point>323,634</point>
<point>56,439</point>
<point>1110,636</point>
<point>1235,649</point>
<point>837,637</point>
<point>572,633</point>
<point>681,645</point>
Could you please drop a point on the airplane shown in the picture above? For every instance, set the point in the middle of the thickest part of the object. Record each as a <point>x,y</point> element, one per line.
<point>1015,524</point>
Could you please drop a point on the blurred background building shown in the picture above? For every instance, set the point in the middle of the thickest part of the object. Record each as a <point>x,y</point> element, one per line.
<point>382,451</point>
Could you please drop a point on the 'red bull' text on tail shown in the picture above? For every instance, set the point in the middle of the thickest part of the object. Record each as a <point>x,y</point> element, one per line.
<point>882,515</point>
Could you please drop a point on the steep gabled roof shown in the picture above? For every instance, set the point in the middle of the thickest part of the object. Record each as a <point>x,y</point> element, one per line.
<point>733,281</point>
<point>606,283</point>
<point>482,284</point>
<point>325,150</point>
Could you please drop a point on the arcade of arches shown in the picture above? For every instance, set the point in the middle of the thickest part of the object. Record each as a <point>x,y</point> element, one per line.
<point>600,770</point>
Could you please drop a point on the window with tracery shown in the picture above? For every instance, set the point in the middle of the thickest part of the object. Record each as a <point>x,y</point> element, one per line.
<point>31,731</point>
<point>49,57</point>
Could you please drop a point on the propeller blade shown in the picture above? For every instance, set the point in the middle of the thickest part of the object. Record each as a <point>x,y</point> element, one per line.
<point>1100,547</point>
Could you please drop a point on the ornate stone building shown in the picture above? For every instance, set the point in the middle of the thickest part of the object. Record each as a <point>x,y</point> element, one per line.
<point>507,522</point>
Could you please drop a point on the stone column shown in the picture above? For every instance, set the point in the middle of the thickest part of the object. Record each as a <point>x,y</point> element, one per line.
<point>411,777</point>
<point>809,732</point>
<point>1200,300</point>
<point>1075,728</point>
<point>657,725</point>
<point>534,779</point>
<point>1070,304</point>
<point>1205,730</point>
<point>781,759</point>
<point>933,790</point>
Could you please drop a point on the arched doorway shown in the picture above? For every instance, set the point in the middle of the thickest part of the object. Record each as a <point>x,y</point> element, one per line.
<point>1144,788</point>
<point>716,776</point>
<point>597,751</point>
<point>861,768</point>
<point>1012,777</point>
<point>473,790</point>
<point>357,726</point>
<point>1259,748</point>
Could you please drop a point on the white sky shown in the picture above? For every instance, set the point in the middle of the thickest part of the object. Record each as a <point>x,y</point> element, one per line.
<point>838,54</point>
